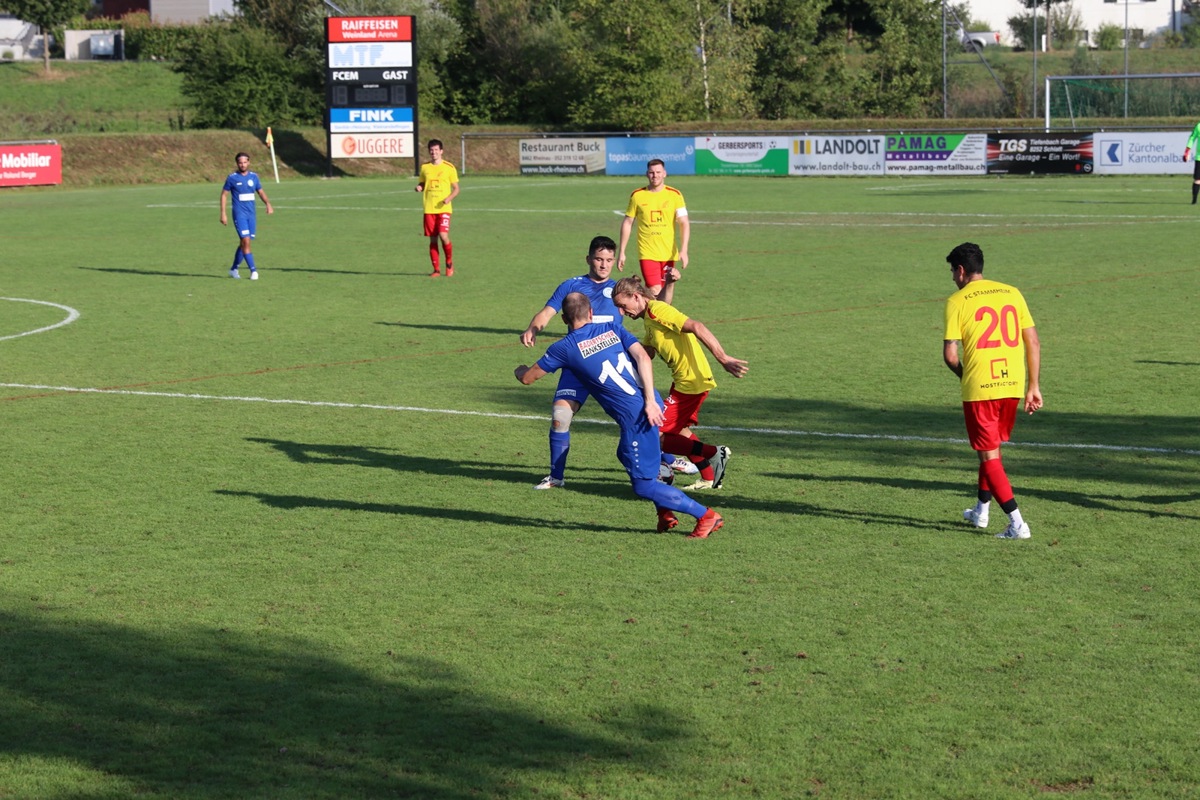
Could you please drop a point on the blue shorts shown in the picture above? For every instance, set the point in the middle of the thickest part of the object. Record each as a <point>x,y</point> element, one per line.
<point>569,388</point>
<point>245,226</point>
<point>639,451</point>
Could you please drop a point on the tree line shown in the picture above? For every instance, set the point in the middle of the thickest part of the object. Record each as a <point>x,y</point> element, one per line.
<point>577,64</point>
<point>590,64</point>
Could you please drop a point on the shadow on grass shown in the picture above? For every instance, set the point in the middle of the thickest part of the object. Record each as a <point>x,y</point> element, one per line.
<point>207,713</point>
<point>1099,502</point>
<point>358,456</point>
<point>298,153</point>
<point>289,502</point>
<point>157,273</point>
<point>466,329</point>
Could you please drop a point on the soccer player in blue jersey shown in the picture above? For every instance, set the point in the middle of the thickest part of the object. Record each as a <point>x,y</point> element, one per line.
<point>570,396</point>
<point>612,365</point>
<point>243,185</point>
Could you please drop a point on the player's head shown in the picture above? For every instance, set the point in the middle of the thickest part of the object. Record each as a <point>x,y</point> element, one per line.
<point>243,161</point>
<point>602,255</point>
<point>631,296</point>
<point>656,172</point>
<point>576,310</point>
<point>968,256</point>
<point>435,149</point>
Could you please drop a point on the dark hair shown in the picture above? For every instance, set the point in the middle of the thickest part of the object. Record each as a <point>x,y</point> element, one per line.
<point>601,243</point>
<point>239,155</point>
<point>654,161</point>
<point>432,142</point>
<point>575,307</point>
<point>968,256</point>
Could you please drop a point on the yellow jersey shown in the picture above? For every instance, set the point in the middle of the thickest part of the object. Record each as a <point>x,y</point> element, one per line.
<point>655,214</point>
<point>439,181</point>
<point>988,317</point>
<point>682,352</point>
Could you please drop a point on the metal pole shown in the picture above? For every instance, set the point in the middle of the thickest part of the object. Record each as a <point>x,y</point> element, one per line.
<point>945,107</point>
<point>1035,49</point>
<point>1126,59</point>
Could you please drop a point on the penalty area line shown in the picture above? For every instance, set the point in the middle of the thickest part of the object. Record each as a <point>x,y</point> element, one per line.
<point>541,418</point>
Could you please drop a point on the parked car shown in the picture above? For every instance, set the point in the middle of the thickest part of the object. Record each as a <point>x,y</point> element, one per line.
<point>977,40</point>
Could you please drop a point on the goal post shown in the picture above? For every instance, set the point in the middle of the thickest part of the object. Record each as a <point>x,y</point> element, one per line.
<point>1072,100</point>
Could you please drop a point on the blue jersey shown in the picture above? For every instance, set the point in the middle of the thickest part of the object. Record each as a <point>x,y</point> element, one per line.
<point>242,189</point>
<point>600,294</point>
<point>598,355</point>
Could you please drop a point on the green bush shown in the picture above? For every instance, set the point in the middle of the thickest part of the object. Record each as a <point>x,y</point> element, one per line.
<point>237,76</point>
<point>1109,37</point>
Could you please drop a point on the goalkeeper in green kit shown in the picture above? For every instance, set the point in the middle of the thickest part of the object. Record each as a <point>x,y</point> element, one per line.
<point>1190,150</point>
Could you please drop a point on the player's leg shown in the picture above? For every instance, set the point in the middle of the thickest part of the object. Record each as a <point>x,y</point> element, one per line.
<point>568,398</point>
<point>1195,181</point>
<point>652,275</point>
<point>248,257</point>
<point>978,515</point>
<point>681,412</point>
<point>638,451</point>
<point>447,247</point>
<point>990,423</point>
<point>430,227</point>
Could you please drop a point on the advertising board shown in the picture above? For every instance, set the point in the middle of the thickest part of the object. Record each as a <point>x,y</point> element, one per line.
<point>562,156</point>
<point>937,154</point>
<point>627,155</point>
<point>836,155</point>
<point>33,164</point>
<point>741,155</point>
<point>1141,153</point>
<point>1039,154</point>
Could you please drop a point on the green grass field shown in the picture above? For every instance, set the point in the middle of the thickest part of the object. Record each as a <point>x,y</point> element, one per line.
<point>278,539</point>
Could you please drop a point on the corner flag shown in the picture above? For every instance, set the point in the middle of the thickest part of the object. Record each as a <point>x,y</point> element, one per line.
<point>271,144</point>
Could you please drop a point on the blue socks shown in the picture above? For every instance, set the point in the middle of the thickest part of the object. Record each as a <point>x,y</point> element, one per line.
<point>560,444</point>
<point>237,257</point>
<point>665,496</point>
<point>249,259</point>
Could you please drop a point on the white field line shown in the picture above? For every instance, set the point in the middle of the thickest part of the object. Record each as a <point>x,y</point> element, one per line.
<point>72,315</point>
<point>542,418</point>
<point>849,219</point>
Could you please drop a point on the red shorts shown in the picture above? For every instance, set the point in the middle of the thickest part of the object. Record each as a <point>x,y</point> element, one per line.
<point>437,223</point>
<point>682,411</point>
<point>990,422</point>
<point>656,273</point>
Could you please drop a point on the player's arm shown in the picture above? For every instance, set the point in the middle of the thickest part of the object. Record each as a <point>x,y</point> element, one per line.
<point>453,194</point>
<point>734,366</point>
<point>645,370</point>
<point>626,227</point>
<point>537,325</point>
<point>950,356</point>
<point>1033,368</point>
<point>685,235</point>
<point>224,194</point>
<point>266,202</point>
<point>528,375</point>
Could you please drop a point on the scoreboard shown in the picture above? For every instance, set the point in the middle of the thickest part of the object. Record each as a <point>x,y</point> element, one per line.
<point>371,88</point>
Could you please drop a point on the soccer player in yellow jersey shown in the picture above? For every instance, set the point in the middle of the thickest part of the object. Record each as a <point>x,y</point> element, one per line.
<point>657,208</point>
<point>1000,363</point>
<point>439,184</point>
<point>676,338</point>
